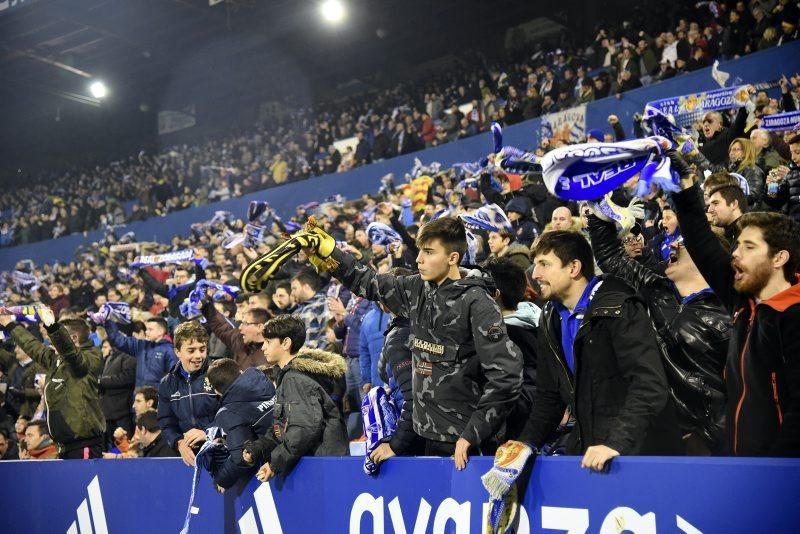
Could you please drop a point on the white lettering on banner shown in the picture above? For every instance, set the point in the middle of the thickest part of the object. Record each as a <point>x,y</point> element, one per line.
<point>624,519</point>
<point>450,510</point>
<point>367,503</point>
<point>451,516</point>
<point>567,125</point>
<point>570,520</point>
<point>399,523</point>
<point>620,519</point>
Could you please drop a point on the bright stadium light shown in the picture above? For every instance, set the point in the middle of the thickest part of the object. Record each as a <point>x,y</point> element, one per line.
<point>98,89</point>
<point>332,11</point>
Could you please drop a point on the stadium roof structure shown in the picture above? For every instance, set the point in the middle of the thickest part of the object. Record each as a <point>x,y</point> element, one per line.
<point>168,54</point>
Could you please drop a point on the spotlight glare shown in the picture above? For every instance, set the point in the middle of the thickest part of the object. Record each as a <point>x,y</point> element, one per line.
<point>332,11</point>
<point>98,89</point>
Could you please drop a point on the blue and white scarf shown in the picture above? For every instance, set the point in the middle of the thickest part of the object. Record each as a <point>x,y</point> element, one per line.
<point>589,171</point>
<point>490,218</point>
<point>27,313</point>
<point>25,282</point>
<point>383,234</point>
<point>715,100</point>
<point>380,416</point>
<point>205,458</point>
<point>177,257</point>
<point>191,307</point>
<point>471,257</point>
<point>789,120</point>
<point>256,209</point>
<point>119,312</point>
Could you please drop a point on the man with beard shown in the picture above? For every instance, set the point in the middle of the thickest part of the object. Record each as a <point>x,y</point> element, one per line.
<point>758,285</point>
<point>598,355</point>
<point>726,204</point>
<point>693,326</point>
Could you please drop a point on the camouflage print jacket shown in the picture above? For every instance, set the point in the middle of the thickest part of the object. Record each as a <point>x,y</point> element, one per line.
<point>467,373</point>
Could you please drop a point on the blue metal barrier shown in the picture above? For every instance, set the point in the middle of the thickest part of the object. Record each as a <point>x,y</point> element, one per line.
<point>765,65</point>
<point>420,495</point>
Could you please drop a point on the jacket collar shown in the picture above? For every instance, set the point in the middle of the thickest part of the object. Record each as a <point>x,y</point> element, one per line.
<point>786,298</point>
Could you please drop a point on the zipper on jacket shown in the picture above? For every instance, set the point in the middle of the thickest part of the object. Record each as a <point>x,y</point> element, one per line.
<point>775,396</point>
<point>191,402</point>
<point>744,382</point>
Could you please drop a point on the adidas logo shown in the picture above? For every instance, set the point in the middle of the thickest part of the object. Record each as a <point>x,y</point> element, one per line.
<point>96,522</point>
<point>267,514</point>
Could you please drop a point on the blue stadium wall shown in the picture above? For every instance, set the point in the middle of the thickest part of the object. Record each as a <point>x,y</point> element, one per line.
<point>758,67</point>
<point>419,495</point>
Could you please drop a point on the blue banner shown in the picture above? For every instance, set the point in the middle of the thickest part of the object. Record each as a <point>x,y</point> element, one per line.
<point>727,98</point>
<point>419,495</point>
<point>781,121</point>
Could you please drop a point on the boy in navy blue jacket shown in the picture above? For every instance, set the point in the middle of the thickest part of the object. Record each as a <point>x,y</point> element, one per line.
<point>245,414</point>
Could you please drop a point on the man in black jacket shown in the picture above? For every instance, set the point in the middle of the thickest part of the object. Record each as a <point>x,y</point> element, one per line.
<point>245,414</point>
<point>758,285</point>
<point>152,439</point>
<point>177,288</point>
<point>717,138</point>
<point>186,401</point>
<point>116,391</point>
<point>694,329</point>
<point>306,419</point>
<point>597,355</point>
<point>467,375</point>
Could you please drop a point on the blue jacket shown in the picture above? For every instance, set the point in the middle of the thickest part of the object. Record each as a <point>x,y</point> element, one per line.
<point>185,402</point>
<point>245,414</point>
<point>375,323</point>
<point>153,360</point>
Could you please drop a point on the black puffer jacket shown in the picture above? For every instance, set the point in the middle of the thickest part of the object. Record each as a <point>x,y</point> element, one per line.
<point>306,420</point>
<point>694,338</point>
<point>618,393</point>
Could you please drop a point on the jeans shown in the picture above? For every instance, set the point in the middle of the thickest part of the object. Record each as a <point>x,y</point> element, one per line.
<point>354,395</point>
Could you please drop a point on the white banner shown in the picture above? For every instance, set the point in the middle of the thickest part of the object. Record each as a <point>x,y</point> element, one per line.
<point>172,121</point>
<point>567,125</point>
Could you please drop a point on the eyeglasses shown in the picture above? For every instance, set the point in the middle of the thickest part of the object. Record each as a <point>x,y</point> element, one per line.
<point>631,239</point>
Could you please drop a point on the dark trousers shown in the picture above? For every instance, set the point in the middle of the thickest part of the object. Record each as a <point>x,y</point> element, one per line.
<point>82,450</point>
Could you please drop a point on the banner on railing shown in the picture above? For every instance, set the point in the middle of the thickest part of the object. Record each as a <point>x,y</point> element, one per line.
<point>419,495</point>
<point>568,125</point>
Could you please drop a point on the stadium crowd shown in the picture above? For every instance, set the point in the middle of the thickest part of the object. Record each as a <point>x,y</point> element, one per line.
<point>543,325</point>
<point>299,142</point>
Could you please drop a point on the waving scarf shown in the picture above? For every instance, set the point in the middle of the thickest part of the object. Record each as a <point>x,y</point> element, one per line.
<point>191,307</point>
<point>27,313</point>
<point>382,234</point>
<point>179,256</point>
<point>206,457</point>
<point>119,312</point>
<point>490,218</point>
<point>379,416</point>
<point>589,171</point>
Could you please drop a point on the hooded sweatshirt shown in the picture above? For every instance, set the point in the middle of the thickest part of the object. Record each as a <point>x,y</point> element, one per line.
<point>522,325</point>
